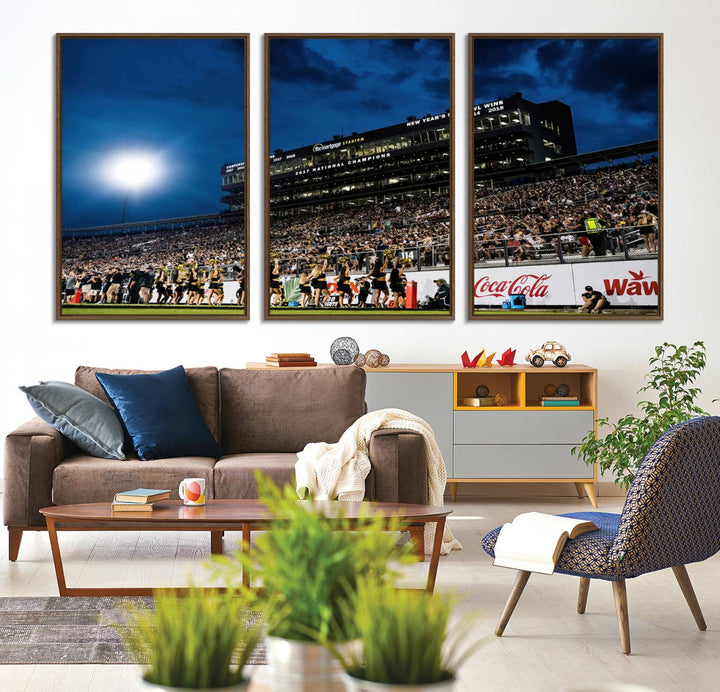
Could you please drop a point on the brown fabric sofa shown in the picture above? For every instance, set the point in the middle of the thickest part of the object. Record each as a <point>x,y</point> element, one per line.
<point>260,418</point>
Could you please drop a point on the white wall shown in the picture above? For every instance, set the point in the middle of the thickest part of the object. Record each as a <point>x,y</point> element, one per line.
<point>37,347</point>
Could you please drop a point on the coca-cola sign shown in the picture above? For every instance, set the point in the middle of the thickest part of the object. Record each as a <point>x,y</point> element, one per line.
<point>530,285</point>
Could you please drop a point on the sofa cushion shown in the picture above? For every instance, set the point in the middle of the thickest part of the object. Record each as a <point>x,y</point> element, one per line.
<point>160,413</point>
<point>234,476</point>
<point>83,418</point>
<point>281,411</point>
<point>203,382</point>
<point>82,478</point>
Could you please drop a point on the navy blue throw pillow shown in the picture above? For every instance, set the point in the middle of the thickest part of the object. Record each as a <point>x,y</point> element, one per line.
<point>160,413</point>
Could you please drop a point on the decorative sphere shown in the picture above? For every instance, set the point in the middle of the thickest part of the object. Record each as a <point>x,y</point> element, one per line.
<point>359,360</point>
<point>482,390</point>
<point>343,350</point>
<point>385,360</point>
<point>563,389</point>
<point>550,390</point>
<point>373,358</point>
<point>500,399</point>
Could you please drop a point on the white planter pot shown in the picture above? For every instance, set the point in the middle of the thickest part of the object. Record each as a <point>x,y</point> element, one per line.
<point>240,687</point>
<point>356,685</point>
<point>301,667</point>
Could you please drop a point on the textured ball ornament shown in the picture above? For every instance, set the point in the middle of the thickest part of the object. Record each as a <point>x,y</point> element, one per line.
<point>343,350</point>
<point>500,399</point>
<point>550,390</point>
<point>563,389</point>
<point>359,360</point>
<point>482,390</point>
<point>373,358</point>
<point>385,360</point>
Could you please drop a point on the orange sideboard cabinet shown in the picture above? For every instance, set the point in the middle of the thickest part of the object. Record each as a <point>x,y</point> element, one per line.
<point>511,437</point>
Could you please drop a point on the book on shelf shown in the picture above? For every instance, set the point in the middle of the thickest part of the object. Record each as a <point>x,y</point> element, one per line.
<point>290,363</point>
<point>131,507</point>
<point>289,359</point>
<point>550,404</point>
<point>558,398</point>
<point>534,540</point>
<point>302,356</point>
<point>141,496</point>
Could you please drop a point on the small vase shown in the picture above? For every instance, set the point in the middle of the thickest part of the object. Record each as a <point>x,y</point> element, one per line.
<point>357,685</point>
<point>238,687</point>
<point>295,666</point>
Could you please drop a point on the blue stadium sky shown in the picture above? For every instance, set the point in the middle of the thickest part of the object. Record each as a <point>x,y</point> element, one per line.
<point>327,86</point>
<point>180,101</point>
<point>611,85</point>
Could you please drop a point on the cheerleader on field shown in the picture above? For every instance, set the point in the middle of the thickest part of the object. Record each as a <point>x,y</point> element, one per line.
<point>275,284</point>
<point>320,285</point>
<point>379,282</point>
<point>343,283</point>
<point>397,282</point>
<point>305,290</point>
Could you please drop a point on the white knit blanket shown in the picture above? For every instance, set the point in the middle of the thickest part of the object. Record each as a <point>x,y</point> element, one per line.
<point>329,471</point>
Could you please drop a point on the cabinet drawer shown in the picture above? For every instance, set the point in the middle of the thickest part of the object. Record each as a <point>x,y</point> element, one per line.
<point>519,461</point>
<point>522,427</point>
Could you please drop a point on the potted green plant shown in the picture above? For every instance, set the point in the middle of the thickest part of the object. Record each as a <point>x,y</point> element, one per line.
<point>405,642</point>
<point>198,641</point>
<point>310,565</point>
<point>673,372</point>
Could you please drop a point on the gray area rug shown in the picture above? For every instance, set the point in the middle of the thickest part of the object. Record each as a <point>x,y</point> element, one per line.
<point>69,630</point>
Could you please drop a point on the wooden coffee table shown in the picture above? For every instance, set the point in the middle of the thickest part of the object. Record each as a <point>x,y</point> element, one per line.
<point>218,516</point>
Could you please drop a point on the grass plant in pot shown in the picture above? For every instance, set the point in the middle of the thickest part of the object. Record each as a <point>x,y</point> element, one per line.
<point>309,565</point>
<point>405,641</point>
<point>198,641</point>
<point>671,380</point>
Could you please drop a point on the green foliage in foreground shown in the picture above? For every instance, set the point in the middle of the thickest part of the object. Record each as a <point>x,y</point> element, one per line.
<point>189,641</point>
<point>673,372</point>
<point>405,637</point>
<point>310,563</point>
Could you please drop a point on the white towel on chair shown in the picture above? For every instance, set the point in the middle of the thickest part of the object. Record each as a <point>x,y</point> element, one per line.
<point>329,471</point>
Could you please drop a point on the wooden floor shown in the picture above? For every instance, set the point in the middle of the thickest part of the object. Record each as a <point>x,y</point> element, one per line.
<point>547,646</point>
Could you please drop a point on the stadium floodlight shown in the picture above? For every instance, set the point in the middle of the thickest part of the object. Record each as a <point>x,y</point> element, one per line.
<point>132,171</point>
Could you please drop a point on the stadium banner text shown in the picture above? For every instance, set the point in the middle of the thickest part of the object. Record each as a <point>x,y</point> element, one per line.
<point>626,284</point>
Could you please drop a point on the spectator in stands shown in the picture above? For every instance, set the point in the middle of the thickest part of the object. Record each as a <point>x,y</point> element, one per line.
<point>648,223</point>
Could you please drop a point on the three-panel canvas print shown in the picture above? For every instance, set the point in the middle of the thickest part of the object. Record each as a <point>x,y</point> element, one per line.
<point>563,190</point>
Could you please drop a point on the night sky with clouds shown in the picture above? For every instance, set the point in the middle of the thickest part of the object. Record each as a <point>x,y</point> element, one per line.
<point>321,87</point>
<point>179,100</point>
<point>611,85</point>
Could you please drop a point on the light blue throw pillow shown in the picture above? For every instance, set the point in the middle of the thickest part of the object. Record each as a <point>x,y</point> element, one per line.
<point>83,418</point>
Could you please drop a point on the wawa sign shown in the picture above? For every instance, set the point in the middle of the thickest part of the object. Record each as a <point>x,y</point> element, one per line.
<point>625,284</point>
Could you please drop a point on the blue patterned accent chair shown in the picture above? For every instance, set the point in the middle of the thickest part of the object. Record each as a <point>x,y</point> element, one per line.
<point>671,518</point>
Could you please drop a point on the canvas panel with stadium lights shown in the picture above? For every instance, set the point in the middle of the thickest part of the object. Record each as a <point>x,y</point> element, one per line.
<point>359,176</point>
<point>565,185</point>
<point>151,219</point>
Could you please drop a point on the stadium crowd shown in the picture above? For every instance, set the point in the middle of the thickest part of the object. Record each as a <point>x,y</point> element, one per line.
<point>418,230</point>
<point>575,214</point>
<point>185,266</point>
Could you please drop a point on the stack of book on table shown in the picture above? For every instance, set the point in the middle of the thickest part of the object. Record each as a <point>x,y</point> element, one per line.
<point>290,360</point>
<point>138,500</point>
<point>559,401</point>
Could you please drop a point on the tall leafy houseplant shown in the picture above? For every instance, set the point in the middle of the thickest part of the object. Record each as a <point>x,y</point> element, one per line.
<point>197,641</point>
<point>673,373</point>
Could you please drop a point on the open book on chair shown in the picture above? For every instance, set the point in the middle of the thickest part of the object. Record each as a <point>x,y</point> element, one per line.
<point>533,541</point>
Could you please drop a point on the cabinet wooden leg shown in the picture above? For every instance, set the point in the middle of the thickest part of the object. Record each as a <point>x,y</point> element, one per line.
<point>590,490</point>
<point>14,538</point>
<point>453,491</point>
<point>621,608</point>
<point>580,490</point>
<point>520,581</point>
<point>583,594</point>
<point>417,536</point>
<point>686,587</point>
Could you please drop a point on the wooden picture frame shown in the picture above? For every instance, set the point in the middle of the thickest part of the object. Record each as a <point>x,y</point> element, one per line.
<point>563,171</point>
<point>358,179</point>
<point>152,154</point>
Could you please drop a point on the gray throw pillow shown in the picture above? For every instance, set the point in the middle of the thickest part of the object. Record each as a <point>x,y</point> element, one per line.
<point>83,418</point>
